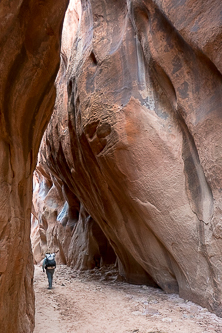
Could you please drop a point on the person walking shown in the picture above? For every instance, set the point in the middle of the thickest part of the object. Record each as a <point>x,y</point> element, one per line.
<point>49,264</point>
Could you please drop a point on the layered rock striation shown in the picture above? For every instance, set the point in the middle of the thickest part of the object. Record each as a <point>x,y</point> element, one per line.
<point>30,33</point>
<point>136,138</point>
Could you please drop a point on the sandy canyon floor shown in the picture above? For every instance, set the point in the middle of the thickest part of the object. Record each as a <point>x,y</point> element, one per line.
<point>96,302</point>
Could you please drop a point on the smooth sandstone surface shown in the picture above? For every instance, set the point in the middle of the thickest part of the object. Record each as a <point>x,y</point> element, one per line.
<point>30,33</point>
<point>135,139</point>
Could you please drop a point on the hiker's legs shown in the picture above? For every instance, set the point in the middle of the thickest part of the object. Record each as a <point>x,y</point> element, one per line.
<point>49,273</point>
<point>49,276</point>
<point>52,272</point>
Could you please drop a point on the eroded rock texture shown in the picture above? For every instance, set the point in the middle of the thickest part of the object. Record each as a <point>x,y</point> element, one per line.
<point>29,51</point>
<point>61,224</point>
<point>136,137</point>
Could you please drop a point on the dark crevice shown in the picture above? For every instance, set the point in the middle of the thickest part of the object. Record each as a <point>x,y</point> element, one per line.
<point>197,188</point>
<point>69,87</point>
<point>93,58</point>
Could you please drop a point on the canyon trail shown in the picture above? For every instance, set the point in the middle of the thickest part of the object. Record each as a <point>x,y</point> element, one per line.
<point>96,302</point>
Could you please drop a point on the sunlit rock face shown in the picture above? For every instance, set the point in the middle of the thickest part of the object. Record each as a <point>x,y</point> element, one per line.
<point>136,137</point>
<point>30,33</point>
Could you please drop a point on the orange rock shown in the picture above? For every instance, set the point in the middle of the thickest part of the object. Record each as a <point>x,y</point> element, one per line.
<point>136,137</point>
<point>30,46</point>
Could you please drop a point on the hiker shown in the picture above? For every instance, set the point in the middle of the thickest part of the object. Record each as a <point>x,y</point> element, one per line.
<point>49,264</point>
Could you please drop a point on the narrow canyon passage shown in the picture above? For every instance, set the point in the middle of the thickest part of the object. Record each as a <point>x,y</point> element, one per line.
<point>96,301</point>
<point>127,170</point>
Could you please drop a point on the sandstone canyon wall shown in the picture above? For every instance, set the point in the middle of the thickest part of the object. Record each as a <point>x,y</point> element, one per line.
<point>60,222</point>
<point>30,33</point>
<point>135,140</point>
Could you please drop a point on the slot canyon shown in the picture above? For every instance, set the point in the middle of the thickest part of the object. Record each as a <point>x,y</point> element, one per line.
<point>111,144</point>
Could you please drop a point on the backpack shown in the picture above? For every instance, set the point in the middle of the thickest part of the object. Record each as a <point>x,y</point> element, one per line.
<point>50,260</point>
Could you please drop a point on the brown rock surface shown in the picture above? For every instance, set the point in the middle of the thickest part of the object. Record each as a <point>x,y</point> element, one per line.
<point>30,45</point>
<point>136,137</point>
<point>61,224</point>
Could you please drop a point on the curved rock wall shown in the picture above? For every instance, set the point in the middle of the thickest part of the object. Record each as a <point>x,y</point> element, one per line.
<point>61,224</point>
<point>136,137</point>
<point>30,33</point>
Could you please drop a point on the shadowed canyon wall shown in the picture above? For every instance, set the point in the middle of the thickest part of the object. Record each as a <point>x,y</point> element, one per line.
<point>30,33</point>
<point>135,140</point>
<point>60,222</point>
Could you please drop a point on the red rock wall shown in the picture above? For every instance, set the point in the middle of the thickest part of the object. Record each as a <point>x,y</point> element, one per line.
<point>61,224</point>
<point>30,45</point>
<point>136,137</point>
